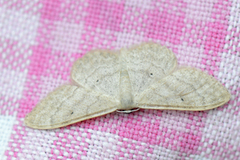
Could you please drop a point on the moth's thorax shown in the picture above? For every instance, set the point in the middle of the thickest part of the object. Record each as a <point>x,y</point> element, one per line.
<point>126,97</point>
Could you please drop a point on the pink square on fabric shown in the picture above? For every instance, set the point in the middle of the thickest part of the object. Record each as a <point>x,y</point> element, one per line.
<point>104,14</point>
<point>165,22</point>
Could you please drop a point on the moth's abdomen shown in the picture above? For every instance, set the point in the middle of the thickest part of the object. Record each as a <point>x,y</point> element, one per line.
<point>126,97</point>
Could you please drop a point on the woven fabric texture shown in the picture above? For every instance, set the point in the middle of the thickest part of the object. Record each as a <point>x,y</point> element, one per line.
<point>40,40</point>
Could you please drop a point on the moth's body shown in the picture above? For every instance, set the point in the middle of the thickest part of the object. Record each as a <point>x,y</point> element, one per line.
<point>141,77</point>
<point>125,89</point>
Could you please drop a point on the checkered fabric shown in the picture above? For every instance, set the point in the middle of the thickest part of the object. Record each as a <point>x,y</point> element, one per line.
<point>40,40</point>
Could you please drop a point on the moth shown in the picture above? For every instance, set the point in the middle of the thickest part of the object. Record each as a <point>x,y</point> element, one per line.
<point>145,76</point>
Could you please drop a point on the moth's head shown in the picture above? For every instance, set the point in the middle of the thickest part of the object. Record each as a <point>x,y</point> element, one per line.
<point>127,104</point>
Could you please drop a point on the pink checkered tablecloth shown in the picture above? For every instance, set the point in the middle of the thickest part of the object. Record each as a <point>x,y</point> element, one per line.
<point>40,40</point>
